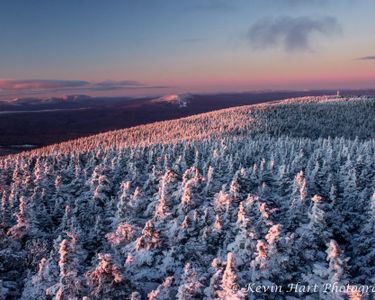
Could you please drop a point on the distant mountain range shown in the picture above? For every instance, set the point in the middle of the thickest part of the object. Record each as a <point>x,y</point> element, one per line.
<point>64,102</point>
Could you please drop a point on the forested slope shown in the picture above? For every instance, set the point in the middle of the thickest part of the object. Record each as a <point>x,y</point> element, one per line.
<point>189,209</point>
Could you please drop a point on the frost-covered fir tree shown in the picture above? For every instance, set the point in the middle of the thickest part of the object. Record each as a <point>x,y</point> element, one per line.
<point>105,280</point>
<point>190,285</point>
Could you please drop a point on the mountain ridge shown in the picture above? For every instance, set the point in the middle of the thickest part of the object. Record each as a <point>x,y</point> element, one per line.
<point>242,111</point>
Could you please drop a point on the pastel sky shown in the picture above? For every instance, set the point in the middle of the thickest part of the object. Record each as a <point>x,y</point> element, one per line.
<point>139,47</point>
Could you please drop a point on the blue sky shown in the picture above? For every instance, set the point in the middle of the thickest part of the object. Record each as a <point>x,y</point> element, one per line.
<point>195,45</point>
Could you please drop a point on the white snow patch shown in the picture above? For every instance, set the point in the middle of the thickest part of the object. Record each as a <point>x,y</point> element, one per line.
<point>182,100</point>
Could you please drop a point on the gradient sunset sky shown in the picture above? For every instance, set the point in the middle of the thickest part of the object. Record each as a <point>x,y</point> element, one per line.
<point>144,47</point>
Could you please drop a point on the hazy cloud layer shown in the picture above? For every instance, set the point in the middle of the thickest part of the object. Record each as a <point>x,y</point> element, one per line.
<point>293,34</point>
<point>113,85</point>
<point>6,84</point>
<point>367,58</point>
<point>57,85</point>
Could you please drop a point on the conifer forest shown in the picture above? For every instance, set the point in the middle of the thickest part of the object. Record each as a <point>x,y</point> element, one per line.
<point>222,205</point>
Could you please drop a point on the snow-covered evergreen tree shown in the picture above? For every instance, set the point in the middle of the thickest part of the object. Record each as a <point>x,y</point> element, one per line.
<point>141,213</point>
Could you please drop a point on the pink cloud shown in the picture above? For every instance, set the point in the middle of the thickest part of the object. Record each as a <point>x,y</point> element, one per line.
<point>45,84</point>
<point>34,84</point>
